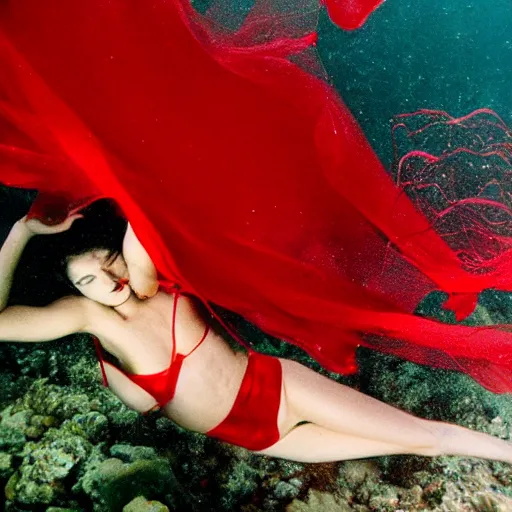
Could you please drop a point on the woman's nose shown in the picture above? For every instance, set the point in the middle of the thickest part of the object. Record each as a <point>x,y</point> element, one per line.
<point>111,274</point>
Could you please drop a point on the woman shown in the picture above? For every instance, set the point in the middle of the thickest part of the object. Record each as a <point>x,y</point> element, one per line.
<point>247,179</point>
<point>271,406</point>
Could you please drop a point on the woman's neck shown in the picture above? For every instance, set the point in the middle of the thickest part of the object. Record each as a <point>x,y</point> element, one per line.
<point>129,307</point>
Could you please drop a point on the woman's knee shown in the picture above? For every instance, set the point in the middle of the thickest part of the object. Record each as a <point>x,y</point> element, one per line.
<point>432,442</point>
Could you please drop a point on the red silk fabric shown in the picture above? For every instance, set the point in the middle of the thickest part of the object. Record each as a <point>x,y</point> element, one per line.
<point>349,14</point>
<point>241,171</point>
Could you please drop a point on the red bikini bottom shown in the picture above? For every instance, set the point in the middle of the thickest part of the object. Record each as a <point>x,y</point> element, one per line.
<point>252,421</point>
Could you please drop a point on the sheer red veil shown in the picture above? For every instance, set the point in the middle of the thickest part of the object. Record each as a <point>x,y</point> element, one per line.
<point>248,180</point>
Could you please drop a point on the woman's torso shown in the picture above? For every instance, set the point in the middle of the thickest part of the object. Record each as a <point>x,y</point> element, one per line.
<point>210,376</point>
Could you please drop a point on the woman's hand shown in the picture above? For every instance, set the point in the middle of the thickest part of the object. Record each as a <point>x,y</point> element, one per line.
<point>36,227</point>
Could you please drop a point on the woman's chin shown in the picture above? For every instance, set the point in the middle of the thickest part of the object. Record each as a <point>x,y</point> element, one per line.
<point>121,297</point>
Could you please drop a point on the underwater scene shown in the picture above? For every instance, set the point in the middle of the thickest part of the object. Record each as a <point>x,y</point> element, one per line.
<point>255,255</point>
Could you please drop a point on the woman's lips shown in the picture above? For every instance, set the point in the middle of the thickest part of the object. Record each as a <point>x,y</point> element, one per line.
<point>120,285</point>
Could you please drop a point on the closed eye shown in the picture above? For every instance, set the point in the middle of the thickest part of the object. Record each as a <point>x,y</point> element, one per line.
<point>85,280</point>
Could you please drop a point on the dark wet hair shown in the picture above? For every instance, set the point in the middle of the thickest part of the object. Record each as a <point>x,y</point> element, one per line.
<point>41,275</point>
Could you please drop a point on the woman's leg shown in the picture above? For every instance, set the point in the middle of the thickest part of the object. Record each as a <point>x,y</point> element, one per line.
<point>347,420</point>
<point>312,443</point>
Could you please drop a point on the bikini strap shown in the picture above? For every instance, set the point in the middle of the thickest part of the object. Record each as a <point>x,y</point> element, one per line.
<point>173,327</point>
<point>177,294</point>
<point>173,286</point>
<point>99,353</point>
<point>207,330</point>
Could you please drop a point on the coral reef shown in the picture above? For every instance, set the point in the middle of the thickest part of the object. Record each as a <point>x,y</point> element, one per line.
<point>67,444</point>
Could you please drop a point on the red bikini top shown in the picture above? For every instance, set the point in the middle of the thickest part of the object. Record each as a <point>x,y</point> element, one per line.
<point>161,385</point>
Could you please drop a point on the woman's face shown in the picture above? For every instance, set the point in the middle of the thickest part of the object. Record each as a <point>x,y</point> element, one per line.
<point>100,276</point>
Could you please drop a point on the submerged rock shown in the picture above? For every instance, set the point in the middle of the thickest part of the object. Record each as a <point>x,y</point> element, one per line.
<point>45,465</point>
<point>60,509</point>
<point>129,453</point>
<point>92,425</point>
<point>318,501</point>
<point>112,483</point>
<point>6,468</point>
<point>11,440</point>
<point>286,490</point>
<point>141,504</point>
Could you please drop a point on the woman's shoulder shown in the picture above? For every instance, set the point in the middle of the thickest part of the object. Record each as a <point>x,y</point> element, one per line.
<point>60,318</point>
<point>92,312</point>
<point>74,302</point>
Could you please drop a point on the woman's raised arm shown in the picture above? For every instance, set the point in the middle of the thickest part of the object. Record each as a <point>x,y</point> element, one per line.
<point>142,271</point>
<point>61,318</point>
<point>24,323</point>
<point>12,249</point>
<point>10,254</point>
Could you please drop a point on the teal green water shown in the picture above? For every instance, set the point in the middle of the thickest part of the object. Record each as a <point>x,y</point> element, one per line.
<point>449,55</point>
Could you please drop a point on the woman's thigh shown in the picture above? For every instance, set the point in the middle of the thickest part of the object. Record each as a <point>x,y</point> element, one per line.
<point>314,398</point>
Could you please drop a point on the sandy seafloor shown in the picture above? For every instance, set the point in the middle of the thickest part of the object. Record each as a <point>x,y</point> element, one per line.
<point>67,444</point>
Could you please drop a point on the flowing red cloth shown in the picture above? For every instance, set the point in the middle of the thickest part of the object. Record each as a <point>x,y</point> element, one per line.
<point>241,171</point>
<point>349,14</point>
